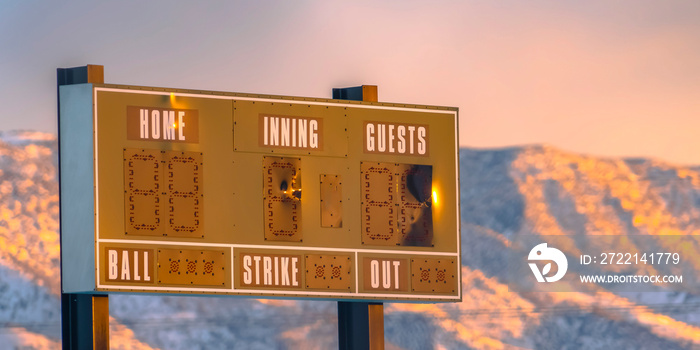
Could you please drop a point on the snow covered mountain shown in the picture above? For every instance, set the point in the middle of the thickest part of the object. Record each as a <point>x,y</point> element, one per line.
<point>504,193</point>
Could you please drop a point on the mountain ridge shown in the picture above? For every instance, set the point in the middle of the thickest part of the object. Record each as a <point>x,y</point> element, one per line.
<point>535,190</point>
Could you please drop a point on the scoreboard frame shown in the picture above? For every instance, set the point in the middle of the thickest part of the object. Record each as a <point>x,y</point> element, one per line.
<point>97,127</point>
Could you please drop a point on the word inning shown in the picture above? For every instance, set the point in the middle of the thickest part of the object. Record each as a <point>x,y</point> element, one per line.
<point>291,132</point>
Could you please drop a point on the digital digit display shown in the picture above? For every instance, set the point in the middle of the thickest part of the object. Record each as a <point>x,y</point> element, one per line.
<point>152,199</point>
<point>397,217</point>
<point>184,178</point>
<point>415,204</point>
<point>282,205</point>
<point>378,204</point>
<point>143,174</point>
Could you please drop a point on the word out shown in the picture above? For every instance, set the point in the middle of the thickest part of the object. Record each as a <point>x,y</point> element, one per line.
<point>386,272</point>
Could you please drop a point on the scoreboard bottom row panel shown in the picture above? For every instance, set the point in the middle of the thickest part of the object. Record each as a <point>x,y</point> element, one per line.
<point>263,271</point>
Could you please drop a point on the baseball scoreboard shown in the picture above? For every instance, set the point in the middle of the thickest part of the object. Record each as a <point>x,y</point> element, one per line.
<point>202,192</point>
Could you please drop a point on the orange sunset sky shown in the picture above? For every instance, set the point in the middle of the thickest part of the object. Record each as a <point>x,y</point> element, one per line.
<point>606,78</point>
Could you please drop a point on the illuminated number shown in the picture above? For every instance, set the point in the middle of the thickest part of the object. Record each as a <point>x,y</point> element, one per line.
<point>142,176</point>
<point>378,204</point>
<point>184,191</point>
<point>282,198</point>
<point>163,187</point>
<point>415,204</point>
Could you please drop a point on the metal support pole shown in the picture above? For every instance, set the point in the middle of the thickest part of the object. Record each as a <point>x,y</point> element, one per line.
<point>84,317</point>
<point>360,324</point>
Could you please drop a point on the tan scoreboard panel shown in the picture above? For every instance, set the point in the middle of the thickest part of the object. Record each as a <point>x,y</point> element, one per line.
<point>198,192</point>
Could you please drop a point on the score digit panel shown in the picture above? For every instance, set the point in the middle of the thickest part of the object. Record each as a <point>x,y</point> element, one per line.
<point>163,193</point>
<point>220,193</point>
